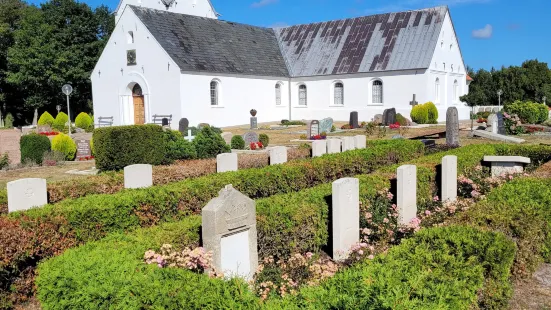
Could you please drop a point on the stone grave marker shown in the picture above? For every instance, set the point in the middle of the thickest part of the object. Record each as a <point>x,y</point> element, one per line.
<point>389,116</point>
<point>83,148</point>
<point>449,178</point>
<point>35,118</point>
<point>278,155</point>
<point>183,125</point>
<point>325,125</point>
<point>354,120</point>
<point>138,176</point>
<point>501,165</point>
<point>250,137</point>
<point>9,143</point>
<point>407,194</point>
<point>229,232</point>
<point>24,194</point>
<point>333,146</point>
<point>452,127</point>
<point>312,128</point>
<point>345,216</point>
<point>378,119</point>
<point>492,124</point>
<point>43,128</point>
<point>254,122</point>
<point>227,136</point>
<point>319,147</point>
<point>360,141</point>
<point>226,162</point>
<point>347,143</point>
<point>501,124</point>
<point>189,137</point>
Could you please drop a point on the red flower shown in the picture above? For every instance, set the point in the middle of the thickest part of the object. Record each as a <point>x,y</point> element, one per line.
<point>394,126</point>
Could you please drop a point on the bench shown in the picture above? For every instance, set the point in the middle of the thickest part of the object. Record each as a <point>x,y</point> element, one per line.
<point>501,165</point>
<point>105,121</point>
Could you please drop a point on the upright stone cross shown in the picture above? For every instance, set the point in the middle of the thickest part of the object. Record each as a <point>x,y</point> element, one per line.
<point>413,102</point>
<point>189,136</point>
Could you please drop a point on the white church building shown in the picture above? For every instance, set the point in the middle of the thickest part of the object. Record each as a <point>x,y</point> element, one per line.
<point>179,59</point>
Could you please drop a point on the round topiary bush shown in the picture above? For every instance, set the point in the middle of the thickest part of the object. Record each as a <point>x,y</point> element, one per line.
<point>8,121</point>
<point>60,121</point>
<point>432,112</point>
<point>264,139</point>
<point>420,114</point>
<point>84,121</point>
<point>178,148</point>
<point>237,143</point>
<point>33,147</point>
<point>46,119</point>
<point>208,143</point>
<point>64,144</point>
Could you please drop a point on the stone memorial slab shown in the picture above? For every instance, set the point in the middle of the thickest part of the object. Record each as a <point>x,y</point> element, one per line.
<point>254,122</point>
<point>333,146</point>
<point>491,122</point>
<point>345,216</point>
<point>43,128</point>
<point>347,143</point>
<point>278,155</point>
<point>25,194</point>
<point>83,148</point>
<point>226,162</point>
<point>360,142</point>
<point>378,119</point>
<point>9,143</point>
<point>449,178</point>
<point>319,148</point>
<point>500,124</point>
<point>227,136</point>
<point>452,127</point>
<point>406,194</point>
<point>498,137</point>
<point>229,232</point>
<point>389,116</point>
<point>325,125</point>
<point>138,176</point>
<point>35,117</point>
<point>250,137</point>
<point>502,165</point>
<point>354,120</point>
<point>183,125</point>
<point>312,128</point>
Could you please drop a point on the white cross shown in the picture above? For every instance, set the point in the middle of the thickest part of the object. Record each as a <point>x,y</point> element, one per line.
<point>189,136</point>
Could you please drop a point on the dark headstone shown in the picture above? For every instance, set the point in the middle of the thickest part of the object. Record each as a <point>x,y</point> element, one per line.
<point>389,116</point>
<point>313,128</point>
<point>354,120</point>
<point>83,148</point>
<point>164,122</point>
<point>452,127</point>
<point>254,122</point>
<point>250,137</point>
<point>500,124</point>
<point>183,126</point>
<point>429,143</point>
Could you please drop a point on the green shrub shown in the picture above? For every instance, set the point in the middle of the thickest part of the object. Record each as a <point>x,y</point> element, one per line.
<point>264,139</point>
<point>528,112</point>
<point>33,147</point>
<point>400,119</point>
<point>60,122</point>
<point>286,122</point>
<point>121,146</point>
<point>4,161</point>
<point>8,121</point>
<point>178,148</point>
<point>64,144</point>
<point>432,112</point>
<point>484,115</point>
<point>208,144</point>
<point>84,121</point>
<point>237,143</point>
<point>46,119</point>
<point>420,114</point>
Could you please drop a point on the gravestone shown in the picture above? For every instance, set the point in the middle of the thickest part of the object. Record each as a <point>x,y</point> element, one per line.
<point>9,143</point>
<point>389,116</point>
<point>83,148</point>
<point>413,102</point>
<point>378,119</point>
<point>138,176</point>
<point>227,136</point>
<point>397,137</point>
<point>347,143</point>
<point>360,142</point>
<point>319,148</point>
<point>229,232</point>
<point>183,125</point>
<point>500,124</point>
<point>164,122</point>
<point>449,178</point>
<point>503,165</point>
<point>353,120</point>
<point>333,146</point>
<point>452,127</point>
<point>24,194</point>
<point>254,122</point>
<point>189,137</point>
<point>406,194</point>
<point>35,118</point>
<point>43,128</point>
<point>549,114</point>
<point>250,137</point>
<point>492,124</point>
<point>325,125</point>
<point>278,155</point>
<point>345,216</point>
<point>312,128</point>
<point>226,162</point>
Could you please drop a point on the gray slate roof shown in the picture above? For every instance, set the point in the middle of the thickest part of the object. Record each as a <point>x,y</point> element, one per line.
<point>384,42</point>
<point>210,45</point>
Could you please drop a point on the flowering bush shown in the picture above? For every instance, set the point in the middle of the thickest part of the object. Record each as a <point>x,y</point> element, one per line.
<point>256,146</point>
<point>370,128</point>
<point>394,126</point>
<point>512,124</point>
<point>476,183</point>
<point>49,133</point>
<point>533,129</point>
<point>318,137</point>
<point>85,158</point>
<point>197,260</point>
<point>481,120</point>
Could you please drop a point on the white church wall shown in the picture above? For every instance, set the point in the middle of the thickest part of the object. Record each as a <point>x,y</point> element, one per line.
<point>156,73</point>
<point>201,8</point>
<point>237,96</point>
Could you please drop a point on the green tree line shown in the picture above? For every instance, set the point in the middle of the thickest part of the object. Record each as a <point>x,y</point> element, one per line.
<point>42,48</point>
<point>529,82</point>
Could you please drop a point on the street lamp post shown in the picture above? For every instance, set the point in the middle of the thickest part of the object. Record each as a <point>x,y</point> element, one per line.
<point>499,93</point>
<point>67,90</point>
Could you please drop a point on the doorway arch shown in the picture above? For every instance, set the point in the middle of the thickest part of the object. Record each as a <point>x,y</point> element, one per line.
<point>138,100</point>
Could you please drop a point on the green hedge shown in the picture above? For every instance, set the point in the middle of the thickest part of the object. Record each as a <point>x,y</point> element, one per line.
<point>528,112</point>
<point>33,147</point>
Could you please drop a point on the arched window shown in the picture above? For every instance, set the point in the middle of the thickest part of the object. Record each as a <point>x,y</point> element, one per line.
<point>455,91</point>
<point>377,92</point>
<point>214,88</point>
<point>278,93</point>
<point>137,90</point>
<point>130,37</point>
<point>302,95</point>
<point>437,90</point>
<point>339,94</point>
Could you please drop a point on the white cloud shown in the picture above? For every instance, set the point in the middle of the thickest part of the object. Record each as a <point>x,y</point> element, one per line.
<point>483,33</point>
<point>262,3</point>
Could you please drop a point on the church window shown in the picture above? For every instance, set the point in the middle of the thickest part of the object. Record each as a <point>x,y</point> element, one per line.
<point>131,58</point>
<point>437,90</point>
<point>214,90</point>
<point>130,37</point>
<point>302,95</point>
<point>455,91</point>
<point>377,96</point>
<point>278,93</point>
<point>339,94</point>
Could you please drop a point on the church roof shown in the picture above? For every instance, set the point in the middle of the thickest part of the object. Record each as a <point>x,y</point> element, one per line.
<point>209,45</point>
<point>383,42</point>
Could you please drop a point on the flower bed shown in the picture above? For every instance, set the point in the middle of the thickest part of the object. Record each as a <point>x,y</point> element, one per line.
<point>49,133</point>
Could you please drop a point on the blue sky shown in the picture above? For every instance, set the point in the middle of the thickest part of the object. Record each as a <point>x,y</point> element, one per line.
<point>491,32</point>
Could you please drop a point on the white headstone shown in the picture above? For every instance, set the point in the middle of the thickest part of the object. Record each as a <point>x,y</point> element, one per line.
<point>333,146</point>
<point>407,194</point>
<point>189,136</point>
<point>347,143</point>
<point>502,165</point>
<point>360,142</point>
<point>278,155</point>
<point>346,216</point>
<point>449,178</point>
<point>319,148</point>
<point>229,232</point>
<point>24,194</point>
<point>138,176</point>
<point>226,162</point>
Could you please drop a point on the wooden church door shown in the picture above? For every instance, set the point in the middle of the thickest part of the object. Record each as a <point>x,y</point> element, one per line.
<point>139,105</point>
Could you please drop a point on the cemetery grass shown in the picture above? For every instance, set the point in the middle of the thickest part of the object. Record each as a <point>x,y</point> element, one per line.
<point>51,174</point>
